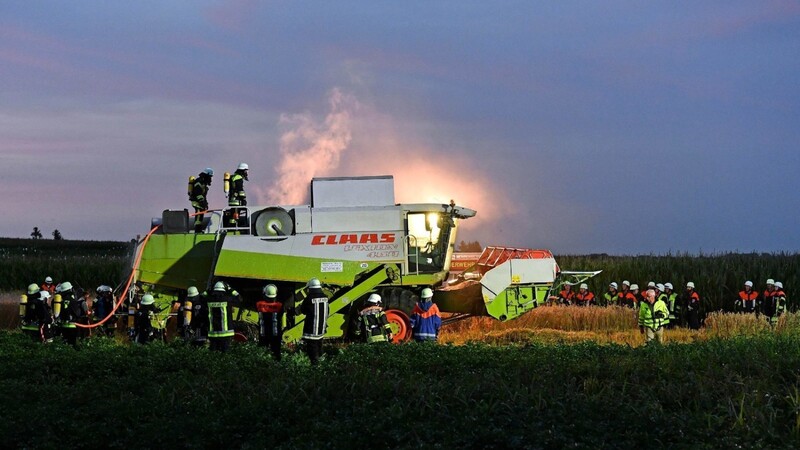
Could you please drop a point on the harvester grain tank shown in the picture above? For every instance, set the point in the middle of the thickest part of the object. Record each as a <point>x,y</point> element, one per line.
<point>356,240</point>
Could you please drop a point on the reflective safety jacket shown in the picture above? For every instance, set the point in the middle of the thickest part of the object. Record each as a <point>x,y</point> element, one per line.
<point>200,192</point>
<point>769,303</point>
<point>673,305</point>
<point>694,301</point>
<point>236,194</point>
<point>627,298</point>
<point>373,326</point>
<point>37,314</point>
<point>51,288</point>
<point>316,309</point>
<point>199,323</point>
<point>611,298</point>
<point>220,315</point>
<point>653,316</point>
<point>748,300</point>
<point>585,299</point>
<point>270,318</point>
<point>780,300</point>
<point>74,310</point>
<point>425,321</point>
<point>566,297</point>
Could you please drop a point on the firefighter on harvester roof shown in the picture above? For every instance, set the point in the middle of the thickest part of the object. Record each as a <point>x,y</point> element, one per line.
<point>270,321</point>
<point>236,194</point>
<point>198,195</point>
<point>373,326</point>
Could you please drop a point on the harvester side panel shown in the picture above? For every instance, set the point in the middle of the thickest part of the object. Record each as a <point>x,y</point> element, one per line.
<point>177,260</point>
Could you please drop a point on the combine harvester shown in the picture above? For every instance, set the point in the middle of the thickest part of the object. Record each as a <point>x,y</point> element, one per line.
<point>357,241</point>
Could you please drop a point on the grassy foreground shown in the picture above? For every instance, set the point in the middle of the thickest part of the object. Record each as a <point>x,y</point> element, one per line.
<point>710,394</point>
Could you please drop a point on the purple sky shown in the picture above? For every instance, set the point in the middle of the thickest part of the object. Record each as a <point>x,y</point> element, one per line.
<point>617,126</point>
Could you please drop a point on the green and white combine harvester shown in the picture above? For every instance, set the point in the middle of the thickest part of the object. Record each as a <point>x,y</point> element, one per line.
<point>356,240</point>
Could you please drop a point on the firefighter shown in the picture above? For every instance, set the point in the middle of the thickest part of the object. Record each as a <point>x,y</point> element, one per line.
<point>692,306</point>
<point>768,306</point>
<point>37,320</point>
<point>236,195</point>
<point>103,306</point>
<point>780,297</point>
<point>674,306</point>
<point>585,297</point>
<point>653,315</point>
<point>425,318</point>
<point>612,294</point>
<point>566,296</point>
<point>747,300</point>
<point>199,197</point>
<point>373,326</point>
<point>626,297</point>
<point>73,311</point>
<point>184,322</point>
<point>633,299</point>
<point>199,320</point>
<point>315,308</point>
<point>270,321</point>
<point>220,317</point>
<point>49,286</point>
<point>143,321</point>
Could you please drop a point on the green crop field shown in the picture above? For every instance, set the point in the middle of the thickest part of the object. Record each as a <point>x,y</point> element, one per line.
<point>732,393</point>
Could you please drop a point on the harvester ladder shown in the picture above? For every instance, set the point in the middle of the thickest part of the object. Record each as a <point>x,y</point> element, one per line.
<point>344,297</point>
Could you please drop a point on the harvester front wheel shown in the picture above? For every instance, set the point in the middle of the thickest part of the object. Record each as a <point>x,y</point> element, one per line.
<point>401,325</point>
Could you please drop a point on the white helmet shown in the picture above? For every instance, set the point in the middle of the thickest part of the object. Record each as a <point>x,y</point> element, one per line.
<point>427,293</point>
<point>668,286</point>
<point>44,295</point>
<point>690,285</point>
<point>104,288</point>
<point>48,280</point>
<point>64,287</point>
<point>613,284</point>
<point>243,166</point>
<point>584,286</point>
<point>748,283</point>
<point>660,287</point>
<point>314,284</point>
<point>147,299</point>
<point>219,286</point>
<point>651,284</point>
<point>374,298</point>
<point>770,281</point>
<point>209,171</point>
<point>192,292</point>
<point>270,291</point>
<point>779,285</point>
<point>626,283</point>
<point>634,287</point>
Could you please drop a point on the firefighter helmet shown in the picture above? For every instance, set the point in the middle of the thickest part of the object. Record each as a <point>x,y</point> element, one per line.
<point>219,286</point>
<point>374,299</point>
<point>33,289</point>
<point>634,287</point>
<point>690,285</point>
<point>613,284</point>
<point>779,285</point>
<point>48,280</point>
<point>584,286</point>
<point>770,281</point>
<point>626,283</point>
<point>147,299</point>
<point>270,291</point>
<point>668,286</point>
<point>64,287</point>
<point>314,284</point>
<point>660,287</point>
<point>243,166</point>
<point>427,293</point>
<point>748,283</point>
<point>192,292</point>
<point>209,171</point>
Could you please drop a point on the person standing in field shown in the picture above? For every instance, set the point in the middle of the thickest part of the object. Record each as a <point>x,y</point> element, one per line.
<point>103,306</point>
<point>37,319</point>
<point>270,321</point>
<point>49,286</point>
<point>585,297</point>
<point>220,317</point>
<point>634,298</point>
<point>566,296</point>
<point>199,197</point>
<point>73,311</point>
<point>653,315</point>
<point>675,311</point>
<point>611,295</point>
<point>692,306</point>
<point>769,303</point>
<point>626,297</point>
<point>143,321</point>
<point>199,321</point>
<point>425,318</point>
<point>747,300</point>
<point>315,308</point>
<point>373,326</point>
<point>780,297</point>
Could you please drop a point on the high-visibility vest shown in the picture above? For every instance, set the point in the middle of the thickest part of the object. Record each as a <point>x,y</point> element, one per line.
<point>220,318</point>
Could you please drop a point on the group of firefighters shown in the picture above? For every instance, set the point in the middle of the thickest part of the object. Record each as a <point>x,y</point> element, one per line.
<point>661,307</point>
<point>206,319</point>
<point>233,187</point>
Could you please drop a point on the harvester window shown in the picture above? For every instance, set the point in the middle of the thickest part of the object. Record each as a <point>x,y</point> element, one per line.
<point>425,234</point>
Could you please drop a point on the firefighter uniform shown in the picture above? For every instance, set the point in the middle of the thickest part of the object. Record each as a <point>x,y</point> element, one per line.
<point>373,326</point>
<point>73,311</point>
<point>143,322</point>
<point>692,307</point>
<point>199,320</point>
<point>199,197</point>
<point>566,296</point>
<point>316,309</point>
<point>37,320</point>
<point>626,297</point>
<point>220,317</point>
<point>425,319</point>
<point>748,299</point>
<point>611,296</point>
<point>236,194</point>
<point>585,297</point>
<point>270,321</point>
<point>675,311</point>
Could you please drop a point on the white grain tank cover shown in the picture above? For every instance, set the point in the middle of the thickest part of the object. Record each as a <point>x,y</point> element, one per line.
<point>352,191</point>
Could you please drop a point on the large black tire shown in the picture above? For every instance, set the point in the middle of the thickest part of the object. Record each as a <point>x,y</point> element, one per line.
<point>399,298</point>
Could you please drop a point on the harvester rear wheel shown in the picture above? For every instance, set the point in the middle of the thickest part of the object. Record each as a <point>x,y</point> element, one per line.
<point>398,304</point>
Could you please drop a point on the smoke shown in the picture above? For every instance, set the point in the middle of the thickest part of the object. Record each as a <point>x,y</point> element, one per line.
<point>309,148</point>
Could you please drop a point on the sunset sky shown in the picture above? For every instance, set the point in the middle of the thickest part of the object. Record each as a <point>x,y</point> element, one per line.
<point>580,126</point>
